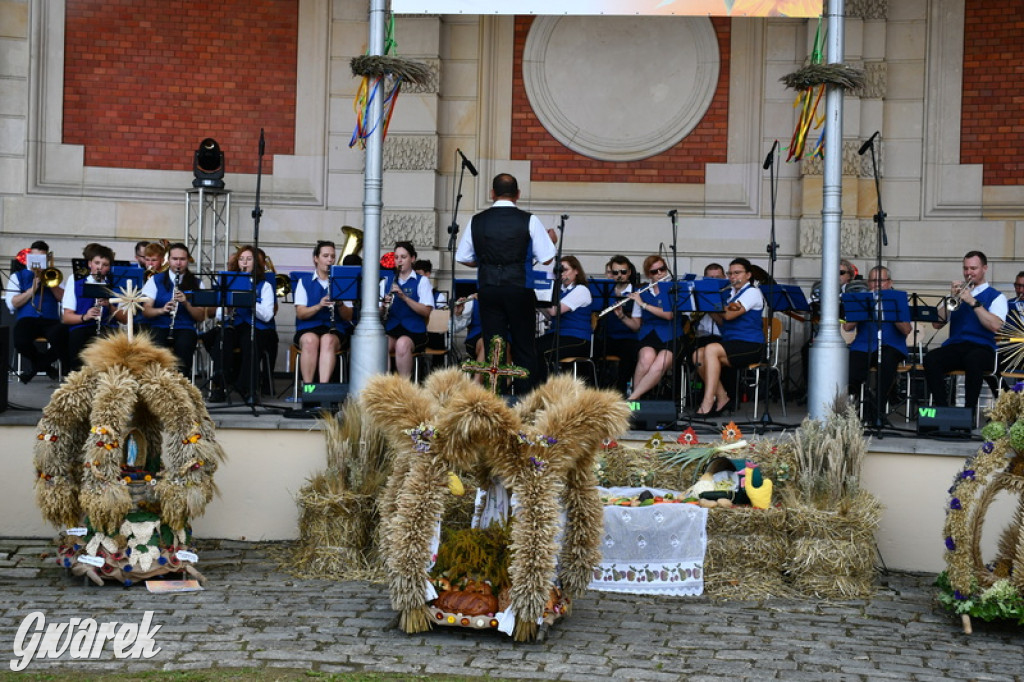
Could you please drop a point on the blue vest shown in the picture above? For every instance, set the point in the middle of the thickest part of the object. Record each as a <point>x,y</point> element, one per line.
<point>245,315</point>
<point>475,327</point>
<point>575,323</point>
<point>747,327</point>
<point>501,241</point>
<point>164,291</point>
<point>649,322</point>
<point>614,328</point>
<point>866,340</point>
<point>50,307</point>
<point>402,314</point>
<point>315,292</point>
<point>964,324</point>
<point>82,305</point>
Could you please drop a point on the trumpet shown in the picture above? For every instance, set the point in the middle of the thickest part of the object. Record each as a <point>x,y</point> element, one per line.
<point>624,299</point>
<point>952,301</point>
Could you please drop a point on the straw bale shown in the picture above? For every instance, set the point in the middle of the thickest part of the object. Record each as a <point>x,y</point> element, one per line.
<point>745,521</point>
<point>835,586</point>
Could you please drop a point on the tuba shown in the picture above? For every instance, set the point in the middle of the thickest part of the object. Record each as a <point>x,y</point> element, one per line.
<point>282,283</point>
<point>353,241</point>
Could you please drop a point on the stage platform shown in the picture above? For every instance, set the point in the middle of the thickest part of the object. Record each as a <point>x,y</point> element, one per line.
<point>270,457</point>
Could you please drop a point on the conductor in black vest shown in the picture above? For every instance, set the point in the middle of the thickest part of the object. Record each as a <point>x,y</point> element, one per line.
<point>504,242</point>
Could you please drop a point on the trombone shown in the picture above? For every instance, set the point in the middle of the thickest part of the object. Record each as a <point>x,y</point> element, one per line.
<point>51,278</point>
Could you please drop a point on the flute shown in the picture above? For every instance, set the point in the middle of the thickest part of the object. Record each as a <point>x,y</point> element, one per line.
<point>621,302</point>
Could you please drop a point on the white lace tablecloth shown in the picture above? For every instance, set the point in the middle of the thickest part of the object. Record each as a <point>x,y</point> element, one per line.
<point>657,549</point>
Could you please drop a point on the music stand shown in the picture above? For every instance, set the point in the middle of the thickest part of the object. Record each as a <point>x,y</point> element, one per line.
<point>344,282</point>
<point>543,288</point>
<point>686,299</point>
<point>788,299</point>
<point>710,295</point>
<point>874,309</point>
<point>229,290</point>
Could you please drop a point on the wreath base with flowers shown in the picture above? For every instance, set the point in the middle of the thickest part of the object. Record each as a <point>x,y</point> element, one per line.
<point>969,586</point>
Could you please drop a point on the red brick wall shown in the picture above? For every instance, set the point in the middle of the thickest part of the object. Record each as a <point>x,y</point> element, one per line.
<point>992,128</point>
<point>146,80</point>
<point>683,163</point>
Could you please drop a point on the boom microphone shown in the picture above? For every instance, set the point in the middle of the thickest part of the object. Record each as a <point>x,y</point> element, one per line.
<point>467,164</point>
<point>867,144</point>
<point>771,156</point>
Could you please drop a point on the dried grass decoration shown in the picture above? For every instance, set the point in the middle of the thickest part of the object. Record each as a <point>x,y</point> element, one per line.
<point>543,450</point>
<point>382,76</point>
<point>970,586</point>
<point>128,390</point>
<point>831,522</point>
<point>338,506</point>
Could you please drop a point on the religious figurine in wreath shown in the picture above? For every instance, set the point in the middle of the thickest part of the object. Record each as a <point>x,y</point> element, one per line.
<point>542,450</point>
<point>125,454</point>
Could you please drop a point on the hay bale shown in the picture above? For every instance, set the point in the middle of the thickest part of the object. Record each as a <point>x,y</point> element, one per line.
<point>832,553</point>
<point>746,551</point>
<point>337,536</point>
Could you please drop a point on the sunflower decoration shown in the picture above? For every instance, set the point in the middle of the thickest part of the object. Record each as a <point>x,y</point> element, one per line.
<point>688,437</point>
<point>731,433</point>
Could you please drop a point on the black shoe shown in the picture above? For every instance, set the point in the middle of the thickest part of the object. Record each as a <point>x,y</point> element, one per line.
<point>217,395</point>
<point>52,372</point>
<point>26,377</point>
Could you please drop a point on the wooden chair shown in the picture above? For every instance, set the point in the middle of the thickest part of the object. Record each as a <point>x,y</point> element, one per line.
<point>772,368</point>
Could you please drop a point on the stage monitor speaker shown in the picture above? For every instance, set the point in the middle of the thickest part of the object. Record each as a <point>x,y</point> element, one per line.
<point>5,353</point>
<point>945,422</point>
<point>323,396</point>
<point>647,415</point>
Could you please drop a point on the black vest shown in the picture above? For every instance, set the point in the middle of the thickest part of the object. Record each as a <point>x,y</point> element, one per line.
<point>501,240</point>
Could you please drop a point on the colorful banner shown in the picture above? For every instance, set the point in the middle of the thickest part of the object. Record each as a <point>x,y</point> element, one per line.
<point>727,8</point>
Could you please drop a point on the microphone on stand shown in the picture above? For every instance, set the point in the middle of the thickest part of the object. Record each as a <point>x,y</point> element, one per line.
<point>467,164</point>
<point>867,144</point>
<point>771,156</point>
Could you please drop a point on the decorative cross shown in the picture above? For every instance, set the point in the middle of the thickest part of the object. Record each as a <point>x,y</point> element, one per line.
<point>494,369</point>
<point>130,301</point>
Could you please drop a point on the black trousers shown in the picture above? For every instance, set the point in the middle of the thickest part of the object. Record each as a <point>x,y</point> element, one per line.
<point>625,350</point>
<point>861,362</point>
<point>975,360</point>
<point>568,347</point>
<point>510,312</point>
<point>27,330</point>
<point>183,345</point>
<point>230,348</point>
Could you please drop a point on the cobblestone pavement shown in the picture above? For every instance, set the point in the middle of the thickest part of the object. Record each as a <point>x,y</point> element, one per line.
<point>253,615</point>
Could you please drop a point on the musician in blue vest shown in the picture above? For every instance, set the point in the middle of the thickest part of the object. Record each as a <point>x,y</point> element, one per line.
<point>170,315</point>
<point>573,318</point>
<point>864,347</point>
<point>742,338</point>
<point>971,345</point>
<point>322,326</point>
<point>408,306</point>
<point>656,324</point>
<point>613,336</point>
<point>36,308</point>
<point>231,342</point>
<point>503,243</point>
<point>87,317</point>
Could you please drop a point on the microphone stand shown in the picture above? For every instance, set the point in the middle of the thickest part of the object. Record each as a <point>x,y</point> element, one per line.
<point>878,422</point>
<point>556,299</point>
<point>673,282</point>
<point>453,240</point>
<point>766,421</point>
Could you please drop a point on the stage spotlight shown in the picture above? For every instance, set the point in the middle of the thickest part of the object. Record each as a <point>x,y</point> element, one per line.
<point>208,165</point>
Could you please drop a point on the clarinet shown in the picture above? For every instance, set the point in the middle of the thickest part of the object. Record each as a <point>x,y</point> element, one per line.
<point>99,318</point>
<point>174,310</point>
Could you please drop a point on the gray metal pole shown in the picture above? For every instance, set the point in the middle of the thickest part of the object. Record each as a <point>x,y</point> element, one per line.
<point>369,346</point>
<point>829,355</point>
